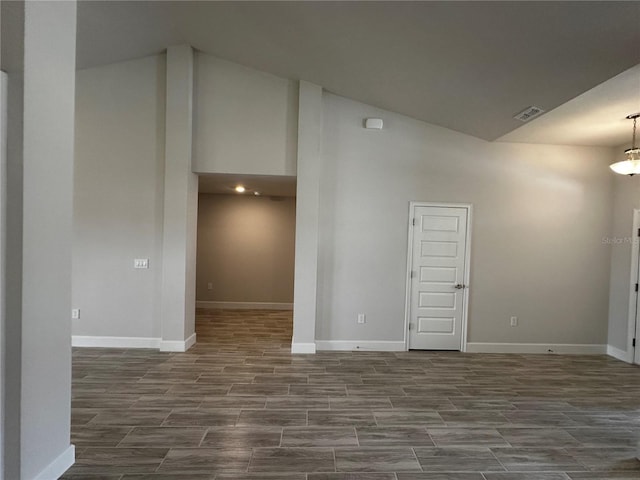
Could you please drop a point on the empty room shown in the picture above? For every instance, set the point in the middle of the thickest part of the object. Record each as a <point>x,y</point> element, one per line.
<point>319,240</point>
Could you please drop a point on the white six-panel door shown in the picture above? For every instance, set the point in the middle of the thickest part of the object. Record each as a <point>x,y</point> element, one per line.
<point>438,271</point>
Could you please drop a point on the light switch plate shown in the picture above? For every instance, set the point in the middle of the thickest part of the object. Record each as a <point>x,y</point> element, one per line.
<point>75,313</point>
<point>141,263</point>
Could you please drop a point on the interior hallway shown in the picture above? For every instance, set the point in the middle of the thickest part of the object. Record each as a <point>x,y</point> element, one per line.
<point>239,406</point>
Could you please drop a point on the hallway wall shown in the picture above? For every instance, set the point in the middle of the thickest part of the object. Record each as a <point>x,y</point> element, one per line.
<point>245,248</point>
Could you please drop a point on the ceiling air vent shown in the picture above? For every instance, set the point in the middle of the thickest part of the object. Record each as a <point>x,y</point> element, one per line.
<point>528,113</point>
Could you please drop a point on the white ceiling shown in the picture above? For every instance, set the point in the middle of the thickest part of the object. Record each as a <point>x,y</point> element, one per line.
<point>597,117</point>
<point>468,66</point>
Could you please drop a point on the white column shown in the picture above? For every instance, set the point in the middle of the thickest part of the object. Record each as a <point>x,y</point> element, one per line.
<point>38,250</point>
<point>307,213</point>
<point>180,207</point>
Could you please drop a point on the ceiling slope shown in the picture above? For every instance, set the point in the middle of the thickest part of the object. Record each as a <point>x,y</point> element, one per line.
<point>468,66</point>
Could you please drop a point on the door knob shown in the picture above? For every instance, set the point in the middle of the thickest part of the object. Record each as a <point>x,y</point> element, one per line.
<point>459,286</point>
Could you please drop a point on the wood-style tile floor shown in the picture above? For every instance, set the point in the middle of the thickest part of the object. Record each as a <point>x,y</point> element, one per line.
<point>239,406</point>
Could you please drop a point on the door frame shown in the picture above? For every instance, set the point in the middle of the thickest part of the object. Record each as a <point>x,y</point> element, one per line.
<point>467,267</point>
<point>4,82</point>
<point>633,295</point>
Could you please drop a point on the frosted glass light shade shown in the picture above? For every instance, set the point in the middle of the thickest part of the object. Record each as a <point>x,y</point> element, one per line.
<point>630,166</point>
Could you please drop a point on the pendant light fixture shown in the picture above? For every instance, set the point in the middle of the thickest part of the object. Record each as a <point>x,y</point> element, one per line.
<point>631,165</point>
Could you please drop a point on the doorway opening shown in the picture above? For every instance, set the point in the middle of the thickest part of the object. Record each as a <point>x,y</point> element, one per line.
<point>245,261</point>
<point>437,276</point>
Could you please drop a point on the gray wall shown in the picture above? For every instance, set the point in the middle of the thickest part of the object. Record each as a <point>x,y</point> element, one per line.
<point>13,47</point>
<point>118,197</point>
<point>241,116</point>
<point>245,121</point>
<point>245,248</point>
<point>307,218</point>
<point>626,199</point>
<point>39,222</point>
<point>180,220</point>
<point>540,213</point>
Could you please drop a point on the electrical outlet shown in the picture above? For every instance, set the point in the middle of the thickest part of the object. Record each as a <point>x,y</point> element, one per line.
<point>362,318</point>
<point>514,321</point>
<point>75,313</point>
<point>141,263</point>
<point>210,286</point>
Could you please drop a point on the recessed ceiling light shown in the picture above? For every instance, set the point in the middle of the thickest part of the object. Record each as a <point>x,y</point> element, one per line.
<point>257,194</point>
<point>240,189</point>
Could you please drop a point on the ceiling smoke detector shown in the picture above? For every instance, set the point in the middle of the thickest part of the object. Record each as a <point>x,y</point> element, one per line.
<point>528,113</point>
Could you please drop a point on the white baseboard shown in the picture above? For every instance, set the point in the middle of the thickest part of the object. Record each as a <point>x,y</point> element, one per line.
<point>115,342</point>
<point>619,354</point>
<point>563,348</point>
<point>190,342</point>
<point>245,305</point>
<point>364,345</point>
<point>60,465</point>
<point>303,348</point>
<point>178,345</point>
<point>134,342</point>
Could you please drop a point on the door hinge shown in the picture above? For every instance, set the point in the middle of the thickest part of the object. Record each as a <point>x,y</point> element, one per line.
<point>634,342</point>
<point>413,273</point>
<point>639,232</point>
<point>413,222</point>
<point>410,326</point>
<point>636,287</point>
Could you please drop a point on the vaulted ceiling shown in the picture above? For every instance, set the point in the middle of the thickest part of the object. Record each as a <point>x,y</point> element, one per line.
<point>468,66</point>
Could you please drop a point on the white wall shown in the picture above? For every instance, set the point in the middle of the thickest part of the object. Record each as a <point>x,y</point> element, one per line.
<point>178,294</point>
<point>13,265</point>
<point>540,213</point>
<point>245,120</point>
<point>623,239</point>
<point>38,250</point>
<point>245,248</point>
<point>118,198</point>
<point>305,299</point>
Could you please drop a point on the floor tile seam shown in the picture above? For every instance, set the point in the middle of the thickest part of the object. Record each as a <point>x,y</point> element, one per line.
<point>161,461</point>
<point>575,459</point>
<point>171,412</point>
<point>250,459</point>
<point>415,455</point>
<point>204,435</point>
<point>131,429</point>
<point>355,429</point>
<point>497,459</point>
